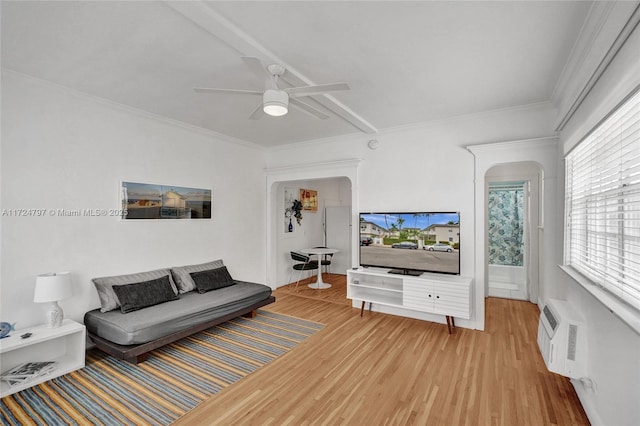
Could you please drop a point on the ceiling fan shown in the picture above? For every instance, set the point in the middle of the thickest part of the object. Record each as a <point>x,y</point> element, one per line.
<point>276,100</point>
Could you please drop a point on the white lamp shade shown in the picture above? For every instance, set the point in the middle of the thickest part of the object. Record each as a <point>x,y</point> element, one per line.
<point>52,287</point>
<point>275,102</point>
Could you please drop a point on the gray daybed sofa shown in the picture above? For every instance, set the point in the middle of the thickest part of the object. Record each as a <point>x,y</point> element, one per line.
<point>144,311</point>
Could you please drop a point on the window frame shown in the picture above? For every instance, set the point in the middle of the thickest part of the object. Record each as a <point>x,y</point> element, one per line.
<point>605,218</point>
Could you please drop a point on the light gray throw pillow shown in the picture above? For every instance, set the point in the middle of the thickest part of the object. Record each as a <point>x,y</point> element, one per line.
<point>182,278</point>
<point>108,299</point>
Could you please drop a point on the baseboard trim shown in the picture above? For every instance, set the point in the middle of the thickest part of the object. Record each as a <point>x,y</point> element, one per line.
<point>584,395</point>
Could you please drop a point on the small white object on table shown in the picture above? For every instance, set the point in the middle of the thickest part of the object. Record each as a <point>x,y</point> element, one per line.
<point>319,284</point>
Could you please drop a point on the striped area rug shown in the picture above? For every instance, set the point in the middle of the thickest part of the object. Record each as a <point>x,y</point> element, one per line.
<point>171,382</point>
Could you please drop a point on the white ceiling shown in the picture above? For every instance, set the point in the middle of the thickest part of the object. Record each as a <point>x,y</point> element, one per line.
<point>406,62</point>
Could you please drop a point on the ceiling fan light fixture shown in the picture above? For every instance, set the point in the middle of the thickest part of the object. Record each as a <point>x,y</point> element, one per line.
<point>275,102</point>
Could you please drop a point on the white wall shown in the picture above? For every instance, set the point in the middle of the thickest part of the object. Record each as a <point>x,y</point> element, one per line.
<point>613,355</point>
<point>425,168</point>
<point>63,150</point>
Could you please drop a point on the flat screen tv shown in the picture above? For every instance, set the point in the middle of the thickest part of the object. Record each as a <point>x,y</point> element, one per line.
<point>411,243</point>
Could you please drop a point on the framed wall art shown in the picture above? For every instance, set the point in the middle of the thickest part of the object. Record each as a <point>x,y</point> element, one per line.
<point>309,199</point>
<point>153,201</point>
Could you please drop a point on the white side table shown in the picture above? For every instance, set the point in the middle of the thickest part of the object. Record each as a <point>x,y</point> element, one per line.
<point>64,344</point>
<point>319,284</point>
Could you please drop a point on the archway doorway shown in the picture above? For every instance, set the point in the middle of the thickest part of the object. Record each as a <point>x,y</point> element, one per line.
<point>277,258</point>
<point>542,152</point>
<point>512,205</point>
<point>328,225</point>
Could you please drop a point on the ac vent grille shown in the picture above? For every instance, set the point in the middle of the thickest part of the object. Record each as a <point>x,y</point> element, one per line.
<point>550,318</point>
<point>573,339</point>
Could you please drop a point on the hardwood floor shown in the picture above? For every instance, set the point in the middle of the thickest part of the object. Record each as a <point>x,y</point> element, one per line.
<point>336,294</point>
<point>383,369</point>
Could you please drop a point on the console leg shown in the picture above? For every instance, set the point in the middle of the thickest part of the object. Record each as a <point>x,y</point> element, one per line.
<point>362,308</point>
<point>450,323</point>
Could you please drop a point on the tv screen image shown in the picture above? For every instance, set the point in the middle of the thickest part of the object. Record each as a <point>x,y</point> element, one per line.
<point>411,243</point>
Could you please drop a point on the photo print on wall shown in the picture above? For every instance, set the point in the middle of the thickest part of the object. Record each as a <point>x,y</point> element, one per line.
<point>309,199</point>
<point>153,201</point>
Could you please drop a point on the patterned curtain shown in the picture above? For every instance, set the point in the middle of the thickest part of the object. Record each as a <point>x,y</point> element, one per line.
<point>506,226</point>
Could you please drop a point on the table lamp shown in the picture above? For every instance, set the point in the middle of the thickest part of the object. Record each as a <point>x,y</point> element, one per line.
<point>51,288</point>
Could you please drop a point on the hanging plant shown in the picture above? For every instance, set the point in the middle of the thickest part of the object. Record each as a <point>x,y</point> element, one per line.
<point>297,210</point>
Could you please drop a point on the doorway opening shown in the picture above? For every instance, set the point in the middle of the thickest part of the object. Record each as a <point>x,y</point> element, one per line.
<point>512,225</point>
<point>338,178</point>
<point>508,245</point>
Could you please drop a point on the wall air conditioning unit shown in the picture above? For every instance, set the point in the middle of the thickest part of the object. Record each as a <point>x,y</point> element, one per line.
<point>561,339</point>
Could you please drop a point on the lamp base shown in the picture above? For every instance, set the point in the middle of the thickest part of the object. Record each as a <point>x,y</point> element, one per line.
<point>54,315</point>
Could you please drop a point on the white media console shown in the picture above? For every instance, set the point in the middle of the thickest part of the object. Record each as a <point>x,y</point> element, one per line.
<point>448,295</point>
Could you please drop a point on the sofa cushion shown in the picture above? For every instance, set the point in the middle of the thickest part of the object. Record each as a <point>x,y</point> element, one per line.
<point>147,293</point>
<point>109,300</point>
<point>212,279</point>
<point>182,278</point>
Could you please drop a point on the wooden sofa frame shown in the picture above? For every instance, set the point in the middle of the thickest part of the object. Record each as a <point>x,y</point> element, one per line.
<point>139,353</point>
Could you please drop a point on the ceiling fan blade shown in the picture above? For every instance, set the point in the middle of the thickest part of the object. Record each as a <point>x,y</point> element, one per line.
<point>232,91</point>
<point>257,113</point>
<point>308,109</point>
<point>316,90</point>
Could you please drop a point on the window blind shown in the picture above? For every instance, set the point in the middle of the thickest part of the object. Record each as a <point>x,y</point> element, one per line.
<point>602,237</point>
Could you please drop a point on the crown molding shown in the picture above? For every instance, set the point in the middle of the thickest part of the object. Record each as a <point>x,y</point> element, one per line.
<point>128,109</point>
<point>536,106</point>
<point>596,41</point>
<point>346,138</point>
<point>583,47</point>
<point>390,131</point>
<point>537,143</point>
<point>327,165</point>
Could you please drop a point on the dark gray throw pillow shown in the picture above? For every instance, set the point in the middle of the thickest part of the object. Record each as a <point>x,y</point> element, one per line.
<point>136,296</point>
<point>212,279</point>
